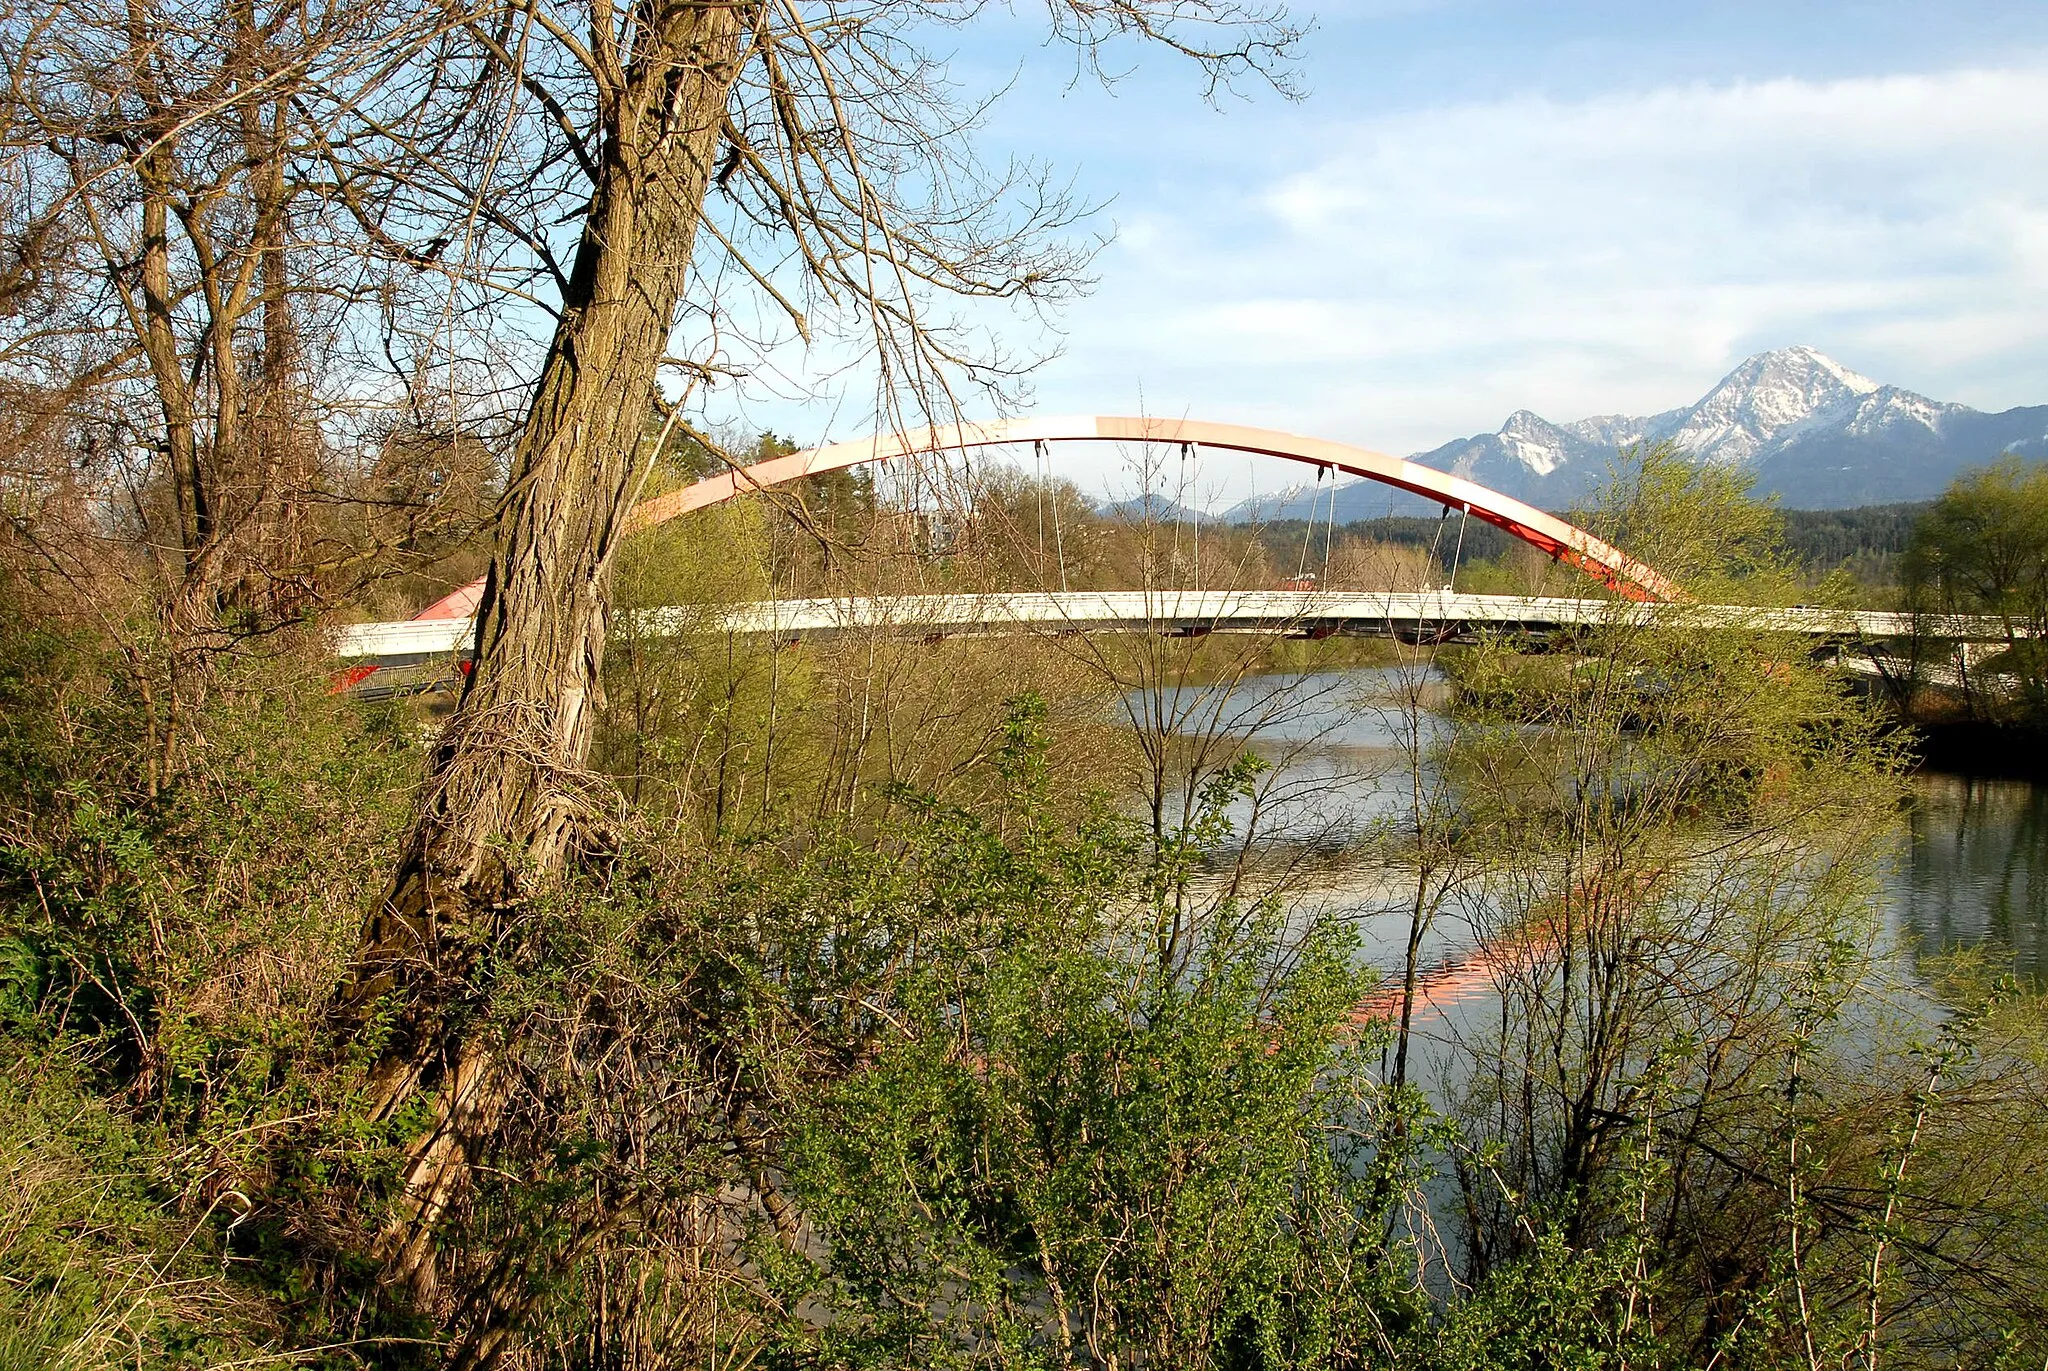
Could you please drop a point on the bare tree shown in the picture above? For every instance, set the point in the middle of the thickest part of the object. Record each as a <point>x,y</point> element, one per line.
<point>148,148</point>
<point>192,299</point>
<point>810,153</point>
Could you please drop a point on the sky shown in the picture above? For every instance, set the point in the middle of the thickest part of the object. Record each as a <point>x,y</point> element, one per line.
<point>1477,206</point>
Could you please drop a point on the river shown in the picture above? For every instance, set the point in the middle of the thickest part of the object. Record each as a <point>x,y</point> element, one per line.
<point>1970,869</point>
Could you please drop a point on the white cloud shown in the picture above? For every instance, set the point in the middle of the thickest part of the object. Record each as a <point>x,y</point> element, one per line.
<point>1405,280</point>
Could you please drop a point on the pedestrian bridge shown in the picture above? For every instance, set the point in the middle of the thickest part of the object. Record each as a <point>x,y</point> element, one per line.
<point>1434,616</point>
<point>446,627</point>
<point>1562,541</point>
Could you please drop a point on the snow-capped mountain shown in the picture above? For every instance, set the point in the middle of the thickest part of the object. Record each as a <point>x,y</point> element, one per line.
<point>1770,394</point>
<point>1815,433</point>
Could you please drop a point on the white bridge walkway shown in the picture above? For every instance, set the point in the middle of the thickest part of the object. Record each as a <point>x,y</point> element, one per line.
<point>1436,615</point>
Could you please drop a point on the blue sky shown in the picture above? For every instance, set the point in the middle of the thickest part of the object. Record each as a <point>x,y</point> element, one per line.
<point>1574,208</point>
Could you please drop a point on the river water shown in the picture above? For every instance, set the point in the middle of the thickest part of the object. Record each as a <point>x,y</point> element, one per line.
<point>1970,869</point>
<point>1973,869</point>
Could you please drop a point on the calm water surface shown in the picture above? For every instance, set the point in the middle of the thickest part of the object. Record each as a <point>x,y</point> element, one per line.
<point>1974,869</point>
<point>1971,867</point>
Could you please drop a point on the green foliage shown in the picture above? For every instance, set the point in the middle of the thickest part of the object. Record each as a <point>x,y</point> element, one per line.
<point>1982,549</point>
<point>175,909</point>
<point>189,932</point>
<point>1695,523</point>
<point>722,733</point>
<point>918,1055</point>
<point>1678,831</point>
<point>1553,1309</point>
<point>96,1270</point>
<point>1087,1156</point>
<point>953,1048</point>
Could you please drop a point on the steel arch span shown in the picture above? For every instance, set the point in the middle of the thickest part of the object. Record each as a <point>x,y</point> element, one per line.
<point>1557,538</point>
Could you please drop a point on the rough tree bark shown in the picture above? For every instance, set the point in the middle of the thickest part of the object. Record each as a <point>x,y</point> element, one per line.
<point>505,809</point>
<point>276,436</point>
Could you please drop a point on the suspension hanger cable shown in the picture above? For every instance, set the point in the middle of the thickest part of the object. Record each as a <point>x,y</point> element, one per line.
<point>1038,471</point>
<point>1456,556</point>
<point>1308,531</point>
<point>1436,543</point>
<point>1329,526</point>
<point>1059,542</point>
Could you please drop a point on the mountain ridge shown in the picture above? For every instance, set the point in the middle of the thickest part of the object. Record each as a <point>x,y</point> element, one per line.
<point>1813,432</point>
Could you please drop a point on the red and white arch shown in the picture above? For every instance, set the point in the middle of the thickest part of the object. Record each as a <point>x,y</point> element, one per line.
<point>1557,538</point>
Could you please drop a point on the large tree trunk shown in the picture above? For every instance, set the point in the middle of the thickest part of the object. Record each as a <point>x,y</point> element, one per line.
<point>508,807</point>
<point>167,364</point>
<point>281,466</point>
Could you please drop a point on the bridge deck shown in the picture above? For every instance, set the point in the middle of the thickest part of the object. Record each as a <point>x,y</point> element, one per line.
<point>1186,612</point>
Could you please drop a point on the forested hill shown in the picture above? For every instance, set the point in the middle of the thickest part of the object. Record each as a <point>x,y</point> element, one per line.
<point>1868,540</point>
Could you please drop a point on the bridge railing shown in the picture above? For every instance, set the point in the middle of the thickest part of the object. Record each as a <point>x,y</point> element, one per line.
<point>1172,611</point>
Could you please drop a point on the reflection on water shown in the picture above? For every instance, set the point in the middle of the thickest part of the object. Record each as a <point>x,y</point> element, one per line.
<point>1337,744</point>
<point>1341,747</point>
<point>1975,868</point>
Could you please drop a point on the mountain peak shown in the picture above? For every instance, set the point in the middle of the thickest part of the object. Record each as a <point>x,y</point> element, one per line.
<point>1535,442</point>
<point>1801,360</point>
<point>1764,397</point>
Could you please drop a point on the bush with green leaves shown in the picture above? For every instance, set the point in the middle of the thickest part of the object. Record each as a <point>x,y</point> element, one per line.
<point>95,1269</point>
<point>1702,1092</point>
<point>1982,549</point>
<point>175,910</point>
<point>931,1095</point>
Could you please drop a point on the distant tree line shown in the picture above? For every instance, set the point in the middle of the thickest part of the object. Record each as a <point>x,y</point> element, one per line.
<point>1438,537</point>
<point>1866,541</point>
